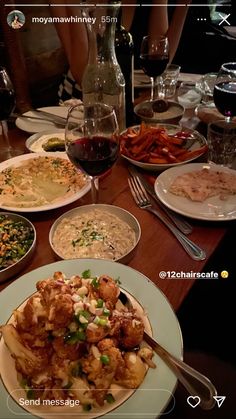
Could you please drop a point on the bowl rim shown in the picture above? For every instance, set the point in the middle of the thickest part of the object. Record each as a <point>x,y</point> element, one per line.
<point>26,221</point>
<point>159,121</point>
<point>83,209</point>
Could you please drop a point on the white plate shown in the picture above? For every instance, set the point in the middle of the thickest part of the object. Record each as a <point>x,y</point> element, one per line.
<point>212,209</point>
<point>149,400</point>
<point>16,161</point>
<point>141,80</point>
<point>38,139</point>
<point>172,129</point>
<point>32,126</point>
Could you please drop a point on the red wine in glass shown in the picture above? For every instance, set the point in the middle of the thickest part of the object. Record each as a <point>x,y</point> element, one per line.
<point>93,155</point>
<point>92,140</point>
<point>225,90</point>
<point>154,57</point>
<point>7,104</point>
<point>153,65</point>
<point>225,98</point>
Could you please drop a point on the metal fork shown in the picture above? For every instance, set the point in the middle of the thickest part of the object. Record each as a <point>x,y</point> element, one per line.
<point>142,200</point>
<point>177,219</point>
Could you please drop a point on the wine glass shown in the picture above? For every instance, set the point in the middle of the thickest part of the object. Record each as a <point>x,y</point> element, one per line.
<point>7,105</point>
<point>92,140</point>
<point>154,57</point>
<point>225,91</point>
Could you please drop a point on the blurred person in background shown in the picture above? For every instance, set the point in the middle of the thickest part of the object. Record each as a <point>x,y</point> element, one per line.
<point>140,21</point>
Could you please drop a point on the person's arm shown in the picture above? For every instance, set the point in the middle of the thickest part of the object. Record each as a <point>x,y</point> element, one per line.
<point>73,37</point>
<point>158,23</point>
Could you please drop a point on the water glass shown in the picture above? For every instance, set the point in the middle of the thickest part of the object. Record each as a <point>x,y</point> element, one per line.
<point>167,83</point>
<point>188,96</point>
<point>205,86</point>
<point>221,138</point>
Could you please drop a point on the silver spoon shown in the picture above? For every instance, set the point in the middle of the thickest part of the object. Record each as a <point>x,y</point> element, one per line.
<point>195,383</point>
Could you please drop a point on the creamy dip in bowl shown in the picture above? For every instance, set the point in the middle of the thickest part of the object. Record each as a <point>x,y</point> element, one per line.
<point>95,231</point>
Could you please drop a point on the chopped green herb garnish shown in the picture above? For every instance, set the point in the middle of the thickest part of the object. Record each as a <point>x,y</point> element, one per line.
<point>87,407</point>
<point>106,312</point>
<point>105,359</point>
<point>73,337</point>
<point>117,280</point>
<point>24,383</point>
<point>99,303</point>
<point>95,283</point>
<point>110,398</point>
<point>77,370</point>
<point>86,274</point>
<point>30,394</point>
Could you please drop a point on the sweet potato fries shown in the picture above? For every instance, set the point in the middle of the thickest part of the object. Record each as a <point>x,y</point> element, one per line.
<point>154,145</point>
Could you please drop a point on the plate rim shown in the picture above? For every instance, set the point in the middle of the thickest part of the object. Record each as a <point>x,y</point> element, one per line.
<point>188,214</point>
<point>28,156</point>
<point>97,265</point>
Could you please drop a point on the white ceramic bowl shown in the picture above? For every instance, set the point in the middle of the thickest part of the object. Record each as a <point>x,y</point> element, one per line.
<point>171,116</point>
<point>171,129</point>
<point>117,211</point>
<point>16,267</point>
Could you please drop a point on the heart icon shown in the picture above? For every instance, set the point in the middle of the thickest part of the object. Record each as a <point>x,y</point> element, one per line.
<point>193,401</point>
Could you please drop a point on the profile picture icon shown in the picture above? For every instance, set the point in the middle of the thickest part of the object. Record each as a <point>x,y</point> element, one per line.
<point>16,19</point>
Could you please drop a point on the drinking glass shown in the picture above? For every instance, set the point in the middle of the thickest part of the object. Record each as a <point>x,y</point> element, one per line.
<point>225,91</point>
<point>92,140</point>
<point>154,57</point>
<point>7,104</point>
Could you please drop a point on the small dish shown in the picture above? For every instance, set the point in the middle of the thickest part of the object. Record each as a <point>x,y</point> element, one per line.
<point>72,236</point>
<point>36,141</point>
<point>172,115</point>
<point>16,267</point>
<point>197,143</point>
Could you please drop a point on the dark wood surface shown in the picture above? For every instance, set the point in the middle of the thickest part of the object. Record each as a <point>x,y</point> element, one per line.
<point>158,249</point>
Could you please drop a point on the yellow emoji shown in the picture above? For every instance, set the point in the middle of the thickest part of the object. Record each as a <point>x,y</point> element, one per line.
<point>224,274</point>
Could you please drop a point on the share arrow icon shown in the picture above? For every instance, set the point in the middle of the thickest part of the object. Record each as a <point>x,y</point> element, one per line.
<point>219,400</point>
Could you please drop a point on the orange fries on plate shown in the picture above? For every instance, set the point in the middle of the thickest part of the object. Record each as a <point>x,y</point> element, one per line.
<point>161,145</point>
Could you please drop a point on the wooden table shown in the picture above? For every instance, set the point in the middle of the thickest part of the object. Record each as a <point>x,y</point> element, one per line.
<point>158,249</point>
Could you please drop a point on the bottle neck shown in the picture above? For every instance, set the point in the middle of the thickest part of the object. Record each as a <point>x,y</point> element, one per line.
<point>101,33</point>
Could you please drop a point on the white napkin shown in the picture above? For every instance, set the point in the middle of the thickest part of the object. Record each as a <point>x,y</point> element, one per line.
<point>189,99</point>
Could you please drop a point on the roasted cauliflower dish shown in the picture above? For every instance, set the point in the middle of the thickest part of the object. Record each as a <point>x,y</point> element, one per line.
<point>74,339</point>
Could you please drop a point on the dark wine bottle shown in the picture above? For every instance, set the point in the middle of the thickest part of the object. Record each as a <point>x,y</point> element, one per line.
<point>124,48</point>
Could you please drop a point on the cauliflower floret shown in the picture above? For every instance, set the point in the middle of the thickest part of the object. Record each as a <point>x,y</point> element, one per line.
<point>147,354</point>
<point>108,289</point>
<point>95,333</point>
<point>134,372</point>
<point>50,288</point>
<point>81,391</point>
<point>132,329</point>
<point>61,311</point>
<point>102,374</point>
<point>68,351</point>
<point>27,361</point>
